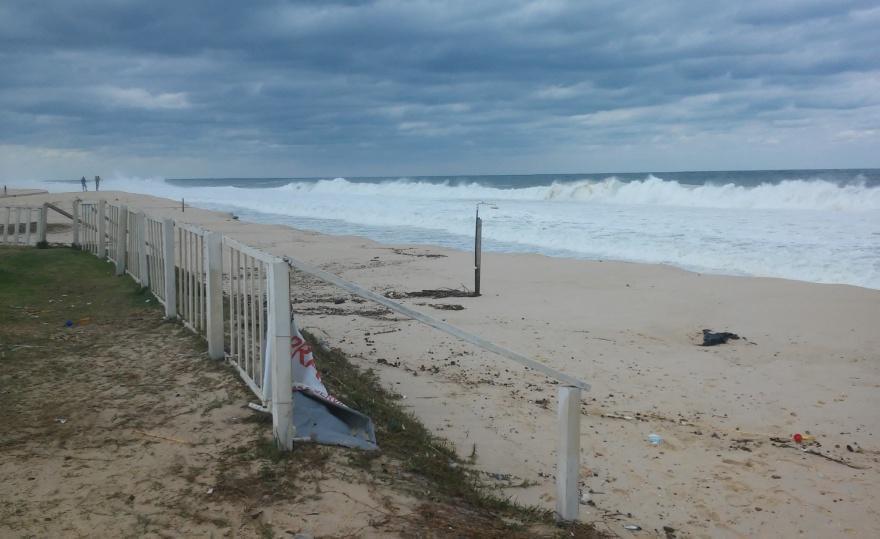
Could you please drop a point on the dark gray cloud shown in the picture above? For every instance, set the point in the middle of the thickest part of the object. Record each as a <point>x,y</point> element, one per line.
<point>394,87</point>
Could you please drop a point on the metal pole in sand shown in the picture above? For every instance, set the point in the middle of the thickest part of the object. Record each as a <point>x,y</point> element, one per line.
<point>568,467</point>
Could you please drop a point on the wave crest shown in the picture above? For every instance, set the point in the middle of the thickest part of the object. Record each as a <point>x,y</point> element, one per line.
<point>815,194</point>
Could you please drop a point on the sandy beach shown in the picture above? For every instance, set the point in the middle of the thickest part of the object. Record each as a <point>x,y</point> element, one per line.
<point>808,362</point>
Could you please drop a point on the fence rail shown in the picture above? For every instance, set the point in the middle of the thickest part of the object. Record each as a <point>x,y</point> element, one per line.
<point>238,298</point>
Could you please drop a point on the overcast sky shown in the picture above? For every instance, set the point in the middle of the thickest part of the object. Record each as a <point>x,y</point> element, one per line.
<point>318,88</point>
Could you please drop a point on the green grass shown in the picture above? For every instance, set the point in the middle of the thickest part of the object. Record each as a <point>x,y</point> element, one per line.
<point>49,276</point>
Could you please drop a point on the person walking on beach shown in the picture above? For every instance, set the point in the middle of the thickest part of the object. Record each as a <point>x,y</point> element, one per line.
<point>97,182</point>
<point>83,182</point>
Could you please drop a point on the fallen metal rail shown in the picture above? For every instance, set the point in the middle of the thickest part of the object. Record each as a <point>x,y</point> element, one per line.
<point>568,463</point>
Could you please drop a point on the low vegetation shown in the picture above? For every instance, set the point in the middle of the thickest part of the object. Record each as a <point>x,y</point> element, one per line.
<point>115,420</point>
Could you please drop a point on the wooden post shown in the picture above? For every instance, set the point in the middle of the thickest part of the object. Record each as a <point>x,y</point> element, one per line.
<point>121,239</point>
<point>168,257</point>
<point>568,468</point>
<point>141,239</point>
<point>279,331</point>
<point>214,294</point>
<point>17,225</point>
<point>478,255</point>
<point>41,227</point>
<point>102,243</point>
<point>75,214</point>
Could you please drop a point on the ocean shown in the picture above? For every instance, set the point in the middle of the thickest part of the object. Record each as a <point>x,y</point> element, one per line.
<point>820,226</point>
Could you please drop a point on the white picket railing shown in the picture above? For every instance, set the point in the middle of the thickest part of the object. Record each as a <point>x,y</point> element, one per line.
<point>113,212</point>
<point>194,272</point>
<point>190,261</point>
<point>245,290</point>
<point>88,235</point>
<point>23,225</point>
<point>154,243</point>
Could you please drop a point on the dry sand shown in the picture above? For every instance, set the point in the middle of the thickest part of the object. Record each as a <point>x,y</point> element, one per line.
<point>809,362</point>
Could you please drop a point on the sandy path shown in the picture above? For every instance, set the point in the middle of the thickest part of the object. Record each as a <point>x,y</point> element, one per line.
<point>810,363</point>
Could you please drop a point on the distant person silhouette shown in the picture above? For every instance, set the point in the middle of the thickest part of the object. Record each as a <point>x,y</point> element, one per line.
<point>83,182</point>
<point>97,182</point>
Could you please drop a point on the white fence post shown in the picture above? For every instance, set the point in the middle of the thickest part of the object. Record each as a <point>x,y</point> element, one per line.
<point>102,243</point>
<point>17,225</point>
<point>279,330</point>
<point>141,239</point>
<point>168,257</point>
<point>214,294</point>
<point>75,241</point>
<point>27,226</point>
<point>568,468</point>
<point>41,228</point>
<point>121,226</point>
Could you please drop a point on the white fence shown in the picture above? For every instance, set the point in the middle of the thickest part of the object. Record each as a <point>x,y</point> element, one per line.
<point>223,290</point>
<point>190,262</point>
<point>23,225</point>
<point>154,245</point>
<point>238,298</point>
<point>246,298</point>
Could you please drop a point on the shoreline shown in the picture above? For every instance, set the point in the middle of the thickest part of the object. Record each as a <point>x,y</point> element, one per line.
<point>809,362</point>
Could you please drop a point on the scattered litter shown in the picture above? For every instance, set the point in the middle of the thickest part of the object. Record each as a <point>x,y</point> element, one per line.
<point>61,420</point>
<point>713,339</point>
<point>801,438</point>
<point>210,490</point>
<point>632,527</point>
<point>655,439</point>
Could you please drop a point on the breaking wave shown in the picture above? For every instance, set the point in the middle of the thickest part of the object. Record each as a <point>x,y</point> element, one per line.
<point>788,194</point>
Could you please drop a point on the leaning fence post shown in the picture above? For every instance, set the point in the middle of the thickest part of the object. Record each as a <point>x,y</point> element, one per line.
<point>282,382</point>
<point>121,225</point>
<point>41,227</point>
<point>75,214</point>
<point>141,237</point>
<point>214,295</point>
<point>569,453</point>
<point>102,243</point>
<point>168,258</point>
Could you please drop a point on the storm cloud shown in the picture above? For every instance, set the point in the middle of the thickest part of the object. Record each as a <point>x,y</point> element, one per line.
<point>321,88</point>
